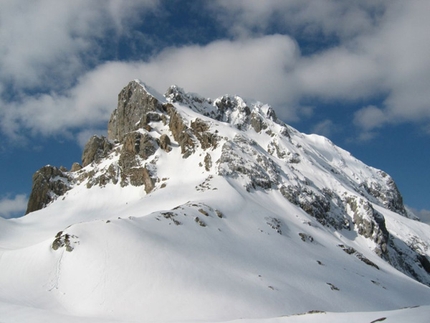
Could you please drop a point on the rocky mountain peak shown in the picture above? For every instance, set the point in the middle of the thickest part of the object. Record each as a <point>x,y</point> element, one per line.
<point>136,106</point>
<point>244,143</point>
<point>231,109</point>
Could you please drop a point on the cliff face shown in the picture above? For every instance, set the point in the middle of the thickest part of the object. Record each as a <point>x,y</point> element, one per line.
<point>244,143</point>
<point>136,108</point>
<point>49,182</point>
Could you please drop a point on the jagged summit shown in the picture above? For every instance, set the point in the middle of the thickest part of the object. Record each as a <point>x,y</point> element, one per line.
<point>274,204</point>
<point>135,106</point>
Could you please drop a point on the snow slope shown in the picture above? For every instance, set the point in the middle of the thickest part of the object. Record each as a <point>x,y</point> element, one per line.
<point>277,224</point>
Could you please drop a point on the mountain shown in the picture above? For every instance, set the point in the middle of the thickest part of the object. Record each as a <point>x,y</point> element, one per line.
<point>195,209</point>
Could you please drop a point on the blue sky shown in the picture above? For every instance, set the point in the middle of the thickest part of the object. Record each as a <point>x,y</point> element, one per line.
<point>355,71</point>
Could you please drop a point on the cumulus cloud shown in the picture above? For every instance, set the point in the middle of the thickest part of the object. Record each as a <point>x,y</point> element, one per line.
<point>338,73</point>
<point>255,68</point>
<point>372,48</point>
<point>86,104</point>
<point>14,206</point>
<point>325,128</point>
<point>46,43</point>
<point>325,18</point>
<point>401,48</point>
<point>370,117</point>
<point>380,49</point>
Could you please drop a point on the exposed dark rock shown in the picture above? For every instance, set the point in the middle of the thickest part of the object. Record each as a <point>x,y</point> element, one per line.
<point>203,212</point>
<point>199,221</point>
<point>64,240</point>
<point>76,167</point>
<point>381,319</point>
<point>171,216</point>
<point>111,175</point>
<point>96,149</point>
<point>198,125</point>
<point>369,223</point>
<point>348,250</point>
<point>136,145</point>
<point>271,114</point>
<point>289,193</point>
<point>306,237</point>
<point>227,105</point>
<point>135,108</point>
<point>425,263</point>
<point>224,104</point>
<point>180,131</point>
<point>257,122</point>
<point>150,117</point>
<point>138,176</point>
<point>366,261</point>
<point>49,182</point>
<point>409,261</point>
<point>275,224</point>
<point>313,203</point>
<point>206,138</point>
<point>175,94</point>
<point>219,214</point>
<point>164,143</point>
<point>284,132</point>
<point>141,144</point>
<point>332,287</point>
<point>260,170</point>
<point>208,162</point>
<point>352,251</point>
<point>273,148</point>
<point>388,194</point>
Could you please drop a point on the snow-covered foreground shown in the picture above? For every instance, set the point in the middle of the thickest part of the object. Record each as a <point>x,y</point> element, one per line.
<point>15,314</point>
<point>416,315</point>
<point>131,262</point>
<point>272,227</point>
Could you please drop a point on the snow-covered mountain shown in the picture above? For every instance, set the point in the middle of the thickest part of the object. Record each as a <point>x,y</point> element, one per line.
<point>211,210</point>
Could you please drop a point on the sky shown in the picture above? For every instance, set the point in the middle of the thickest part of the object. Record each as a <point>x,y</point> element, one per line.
<point>357,72</point>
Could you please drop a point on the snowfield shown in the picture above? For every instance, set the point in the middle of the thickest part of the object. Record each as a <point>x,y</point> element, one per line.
<point>220,243</point>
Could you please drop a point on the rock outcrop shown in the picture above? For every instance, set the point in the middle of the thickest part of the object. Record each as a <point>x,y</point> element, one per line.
<point>136,107</point>
<point>387,194</point>
<point>369,223</point>
<point>49,182</point>
<point>95,149</point>
<point>180,131</point>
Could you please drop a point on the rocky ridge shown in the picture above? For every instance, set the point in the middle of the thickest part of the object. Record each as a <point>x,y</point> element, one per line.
<point>258,152</point>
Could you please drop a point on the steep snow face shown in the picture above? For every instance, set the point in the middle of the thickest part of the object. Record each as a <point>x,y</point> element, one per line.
<point>210,210</point>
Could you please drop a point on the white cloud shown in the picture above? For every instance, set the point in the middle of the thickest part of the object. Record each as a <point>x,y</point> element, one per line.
<point>46,42</point>
<point>401,48</point>
<point>254,68</point>
<point>380,48</point>
<point>10,207</point>
<point>87,104</point>
<point>338,73</point>
<point>325,128</point>
<point>323,17</point>
<point>370,117</point>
